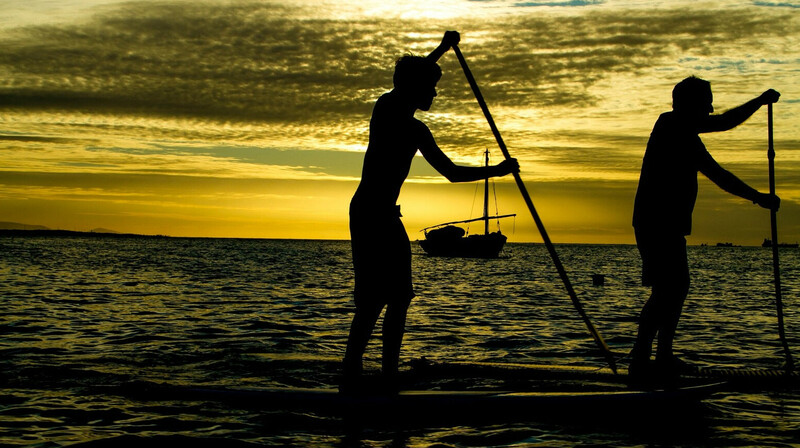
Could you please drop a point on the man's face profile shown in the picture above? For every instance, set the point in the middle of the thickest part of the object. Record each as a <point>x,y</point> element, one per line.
<point>425,96</point>
<point>704,105</point>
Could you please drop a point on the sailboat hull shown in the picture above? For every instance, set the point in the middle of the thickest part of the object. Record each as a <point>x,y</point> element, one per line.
<point>447,240</point>
<point>473,246</point>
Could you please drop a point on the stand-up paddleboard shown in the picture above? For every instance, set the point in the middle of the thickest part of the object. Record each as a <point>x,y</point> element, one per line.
<point>747,376</point>
<point>450,403</point>
<point>736,376</point>
<point>523,370</point>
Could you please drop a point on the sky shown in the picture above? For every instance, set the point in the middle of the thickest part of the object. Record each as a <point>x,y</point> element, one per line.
<point>250,118</point>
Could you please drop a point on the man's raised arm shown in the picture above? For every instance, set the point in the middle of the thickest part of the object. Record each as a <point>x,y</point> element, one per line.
<point>736,116</point>
<point>450,39</point>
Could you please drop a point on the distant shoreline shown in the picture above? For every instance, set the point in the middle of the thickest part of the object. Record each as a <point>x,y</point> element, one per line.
<point>73,233</point>
<point>23,233</point>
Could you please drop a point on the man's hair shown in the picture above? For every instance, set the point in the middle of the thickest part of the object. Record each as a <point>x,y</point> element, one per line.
<point>415,71</point>
<point>689,92</point>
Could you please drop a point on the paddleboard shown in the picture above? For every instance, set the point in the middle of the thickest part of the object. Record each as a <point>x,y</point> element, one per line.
<point>733,375</point>
<point>451,403</point>
<point>536,371</point>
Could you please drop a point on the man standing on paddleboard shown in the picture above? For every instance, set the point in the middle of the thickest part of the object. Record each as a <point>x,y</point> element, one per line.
<point>381,248</point>
<point>662,214</point>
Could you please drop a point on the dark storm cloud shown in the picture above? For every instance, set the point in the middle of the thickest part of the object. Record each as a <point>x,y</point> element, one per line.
<point>268,62</point>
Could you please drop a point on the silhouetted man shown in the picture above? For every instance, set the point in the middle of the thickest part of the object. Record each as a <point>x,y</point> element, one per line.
<point>662,215</point>
<point>381,249</point>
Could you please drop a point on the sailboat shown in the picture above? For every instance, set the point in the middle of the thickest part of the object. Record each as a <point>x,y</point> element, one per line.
<point>448,240</point>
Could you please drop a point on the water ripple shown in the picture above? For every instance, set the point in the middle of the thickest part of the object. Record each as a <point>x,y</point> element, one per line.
<point>80,313</point>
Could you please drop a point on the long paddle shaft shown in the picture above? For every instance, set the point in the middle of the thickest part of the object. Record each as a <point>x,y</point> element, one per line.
<point>550,248</point>
<point>774,225</point>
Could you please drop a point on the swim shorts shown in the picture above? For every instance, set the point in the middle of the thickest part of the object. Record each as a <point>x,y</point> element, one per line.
<point>381,257</point>
<point>664,261</point>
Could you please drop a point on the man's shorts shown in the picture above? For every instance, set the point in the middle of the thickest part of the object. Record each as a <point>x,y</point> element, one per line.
<point>381,258</point>
<point>664,261</point>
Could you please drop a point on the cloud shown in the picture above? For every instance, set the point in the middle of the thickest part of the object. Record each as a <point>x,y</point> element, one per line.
<point>228,62</point>
<point>203,102</point>
<point>41,139</point>
<point>563,3</point>
<point>264,62</point>
<point>778,4</point>
<point>280,76</point>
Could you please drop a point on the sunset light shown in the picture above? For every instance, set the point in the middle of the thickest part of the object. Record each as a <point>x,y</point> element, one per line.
<point>249,119</point>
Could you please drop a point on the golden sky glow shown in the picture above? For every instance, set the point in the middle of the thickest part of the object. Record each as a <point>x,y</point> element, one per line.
<point>249,119</point>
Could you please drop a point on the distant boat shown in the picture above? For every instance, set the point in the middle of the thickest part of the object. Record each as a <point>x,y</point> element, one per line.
<point>448,240</point>
<point>768,243</point>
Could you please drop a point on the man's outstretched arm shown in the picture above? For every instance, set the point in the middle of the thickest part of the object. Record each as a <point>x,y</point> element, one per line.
<point>736,116</point>
<point>450,39</point>
<point>732,184</point>
<point>459,173</point>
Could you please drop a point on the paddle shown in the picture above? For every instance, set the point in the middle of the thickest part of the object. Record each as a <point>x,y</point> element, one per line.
<point>774,226</point>
<point>550,248</point>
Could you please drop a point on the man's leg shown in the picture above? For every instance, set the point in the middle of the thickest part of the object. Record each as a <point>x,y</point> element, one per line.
<point>648,318</point>
<point>394,324</point>
<point>666,267</point>
<point>676,291</point>
<point>394,321</point>
<point>660,316</point>
<point>671,314</point>
<point>648,327</point>
<point>360,331</point>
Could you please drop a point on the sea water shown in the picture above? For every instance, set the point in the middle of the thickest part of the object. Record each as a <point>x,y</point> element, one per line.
<point>80,313</point>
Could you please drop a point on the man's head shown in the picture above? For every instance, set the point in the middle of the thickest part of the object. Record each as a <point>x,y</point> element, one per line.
<point>416,77</point>
<point>693,96</point>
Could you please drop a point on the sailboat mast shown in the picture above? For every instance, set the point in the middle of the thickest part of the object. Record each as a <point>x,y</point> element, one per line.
<point>486,198</point>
